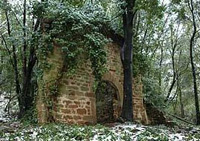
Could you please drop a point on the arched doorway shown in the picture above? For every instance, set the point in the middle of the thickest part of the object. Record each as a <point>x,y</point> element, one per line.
<point>107,102</point>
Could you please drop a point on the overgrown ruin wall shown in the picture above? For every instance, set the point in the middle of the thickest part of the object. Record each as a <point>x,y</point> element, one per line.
<point>75,101</point>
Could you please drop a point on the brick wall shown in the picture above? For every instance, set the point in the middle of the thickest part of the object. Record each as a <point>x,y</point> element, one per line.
<point>75,102</point>
<point>139,111</point>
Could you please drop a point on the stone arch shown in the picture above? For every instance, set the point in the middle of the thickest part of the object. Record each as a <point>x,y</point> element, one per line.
<point>108,106</point>
<point>112,78</point>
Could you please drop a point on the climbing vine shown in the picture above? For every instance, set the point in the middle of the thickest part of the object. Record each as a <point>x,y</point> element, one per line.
<point>78,32</point>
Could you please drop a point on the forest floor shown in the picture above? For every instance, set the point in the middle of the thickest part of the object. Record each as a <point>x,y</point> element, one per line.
<point>15,130</point>
<point>12,129</point>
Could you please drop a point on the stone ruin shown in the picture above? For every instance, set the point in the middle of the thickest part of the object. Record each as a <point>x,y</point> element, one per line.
<point>77,102</point>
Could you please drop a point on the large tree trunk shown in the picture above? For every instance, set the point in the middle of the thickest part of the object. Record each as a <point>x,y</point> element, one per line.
<point>27,85</point>
<point>28,64</point>
<point>192,63</point>
<point>22,105</point>
<point>126,57</point>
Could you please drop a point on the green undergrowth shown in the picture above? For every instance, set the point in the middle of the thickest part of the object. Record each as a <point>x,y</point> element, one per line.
<point>63,132</point>
<point>30,117</point>
<point>57,132</point>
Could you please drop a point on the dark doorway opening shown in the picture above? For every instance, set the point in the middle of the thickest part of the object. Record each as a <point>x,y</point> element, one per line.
<point>107,102</point>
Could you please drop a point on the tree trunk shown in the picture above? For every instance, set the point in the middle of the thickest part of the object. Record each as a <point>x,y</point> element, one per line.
<point>192,63</point>
<point>180,95</point>
<point>15,64</point>
<point>181,104</point>
<point>126,57</point>
<point>28,97</point>
<point>24,95</point>
<point>160,67</point>
<point>174,45</point>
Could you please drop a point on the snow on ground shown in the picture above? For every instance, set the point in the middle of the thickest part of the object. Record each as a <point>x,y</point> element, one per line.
<point>12,106</point>
<point>14,130</point>
<point>140,132</point>
<point>119,132</point>
<point>3,103</point>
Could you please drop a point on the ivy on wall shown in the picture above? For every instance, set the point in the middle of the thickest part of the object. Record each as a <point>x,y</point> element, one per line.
<point>78,32</point>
